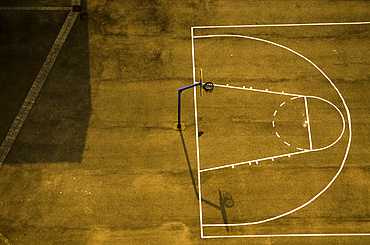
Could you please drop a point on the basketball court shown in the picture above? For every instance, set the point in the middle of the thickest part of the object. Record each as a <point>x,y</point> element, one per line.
<point>270,127</point>
<point>275,152</point>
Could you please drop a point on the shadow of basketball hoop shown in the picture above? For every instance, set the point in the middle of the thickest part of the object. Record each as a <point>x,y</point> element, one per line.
<point>226,199</point>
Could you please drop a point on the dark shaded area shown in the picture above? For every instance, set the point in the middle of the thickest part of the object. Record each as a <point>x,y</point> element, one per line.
<point>55,130</point>
<point>222,201</point>
<point>223,209</point>
<point>25,41</point>
<point>36,3</point>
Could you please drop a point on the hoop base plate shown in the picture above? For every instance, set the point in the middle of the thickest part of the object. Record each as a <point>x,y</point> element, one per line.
<point>178,129</point>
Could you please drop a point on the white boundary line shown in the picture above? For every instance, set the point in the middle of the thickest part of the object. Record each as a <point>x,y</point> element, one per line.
<point>283,25</point>
<point>196,135</point>
<point>291,235</point>
<point>308,122</point>
<point>340,95</point>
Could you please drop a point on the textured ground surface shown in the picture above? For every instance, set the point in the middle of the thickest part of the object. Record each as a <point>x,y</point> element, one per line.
<point>98,162</point>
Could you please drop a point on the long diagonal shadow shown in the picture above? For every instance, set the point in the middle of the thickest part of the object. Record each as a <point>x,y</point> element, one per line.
<point>220,207</point>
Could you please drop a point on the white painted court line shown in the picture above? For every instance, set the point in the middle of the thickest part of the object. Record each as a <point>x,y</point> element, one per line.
<point>308,122</point>
<point>283,25</point>
<point>256,160</point>
<point>196,136</point>
<point>343,122</point>
<point>277,134</point>
<point>283,93</point>
<point>259,90</point>
<point>295,97</point>
<point>301,151</point>
<point>292,235</point>
<point>344,158</point>
<point>36,87</point>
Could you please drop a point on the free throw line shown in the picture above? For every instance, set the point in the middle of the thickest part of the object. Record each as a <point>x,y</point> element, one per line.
<point>308,122</point>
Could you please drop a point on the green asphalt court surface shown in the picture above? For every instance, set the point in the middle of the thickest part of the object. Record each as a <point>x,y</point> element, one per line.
<point>98,160</point>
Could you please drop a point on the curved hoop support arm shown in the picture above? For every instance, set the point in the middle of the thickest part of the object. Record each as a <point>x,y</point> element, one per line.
<point>179,102</point>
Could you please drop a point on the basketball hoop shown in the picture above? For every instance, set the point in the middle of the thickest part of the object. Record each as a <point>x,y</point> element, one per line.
<point>208,87</point>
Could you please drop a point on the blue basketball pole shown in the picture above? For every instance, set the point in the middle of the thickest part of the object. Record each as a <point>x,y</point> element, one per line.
<point>179,102</point>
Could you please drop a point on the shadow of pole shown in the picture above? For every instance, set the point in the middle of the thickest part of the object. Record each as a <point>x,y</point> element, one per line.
<point>220,207</point>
